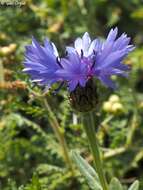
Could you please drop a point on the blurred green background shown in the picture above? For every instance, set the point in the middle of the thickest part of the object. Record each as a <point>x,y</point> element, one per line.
<point>30,156</point>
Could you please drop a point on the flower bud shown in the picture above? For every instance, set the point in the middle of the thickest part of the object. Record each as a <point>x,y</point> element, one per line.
<point>114,98</point>
<point>7,50</point>
<point>4,51</point>
<point>12,47</point>
<point>117,108</point>
<point>84,99</point>
<point>107,106</point>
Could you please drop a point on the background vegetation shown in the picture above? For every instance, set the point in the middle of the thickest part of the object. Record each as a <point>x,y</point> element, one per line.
<point>30,155</point>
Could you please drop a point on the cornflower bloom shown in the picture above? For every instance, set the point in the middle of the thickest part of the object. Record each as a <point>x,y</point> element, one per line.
<point>83,62</point>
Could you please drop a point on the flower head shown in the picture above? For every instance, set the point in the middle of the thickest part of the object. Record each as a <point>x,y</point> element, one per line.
<point>87,59</point>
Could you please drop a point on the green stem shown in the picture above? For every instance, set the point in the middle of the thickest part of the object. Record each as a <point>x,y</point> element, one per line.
<point>60,135</point>
<point>89,125</point>
<point>132,129</point>
<point>56,128</point>
<point>1,72</point>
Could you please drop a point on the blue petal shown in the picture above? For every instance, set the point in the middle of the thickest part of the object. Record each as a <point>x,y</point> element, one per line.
<point>107,81</point>
<point>41,62</point>
<point>112,35</point>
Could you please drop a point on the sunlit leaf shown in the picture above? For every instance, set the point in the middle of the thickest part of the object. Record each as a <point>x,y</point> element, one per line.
<point>115,184</point>
<point>87,171</point>
<point>134,186</point>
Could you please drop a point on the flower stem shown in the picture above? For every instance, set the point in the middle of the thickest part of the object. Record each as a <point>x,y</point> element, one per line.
<point>1,72</point>
<point>88,122</point>
<point>60,135</point>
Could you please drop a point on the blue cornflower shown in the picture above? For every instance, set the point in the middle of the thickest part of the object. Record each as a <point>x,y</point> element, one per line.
<point>87,59</point>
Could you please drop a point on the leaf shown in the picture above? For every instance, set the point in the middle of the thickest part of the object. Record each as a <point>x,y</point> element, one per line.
<point>87,171</point>
<point>115,184</point>
<point>134,186</point>
<point>90,169</point>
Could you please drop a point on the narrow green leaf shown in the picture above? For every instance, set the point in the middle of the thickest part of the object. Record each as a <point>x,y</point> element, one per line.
<point>85,164</point>
<point>134,186</point>
<point>115,184</point>
<point>87,171</point>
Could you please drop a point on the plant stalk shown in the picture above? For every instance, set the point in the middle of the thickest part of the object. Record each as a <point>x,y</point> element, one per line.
<point>1,72</point>
<point>89,126</point>
<point>60,135</point>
